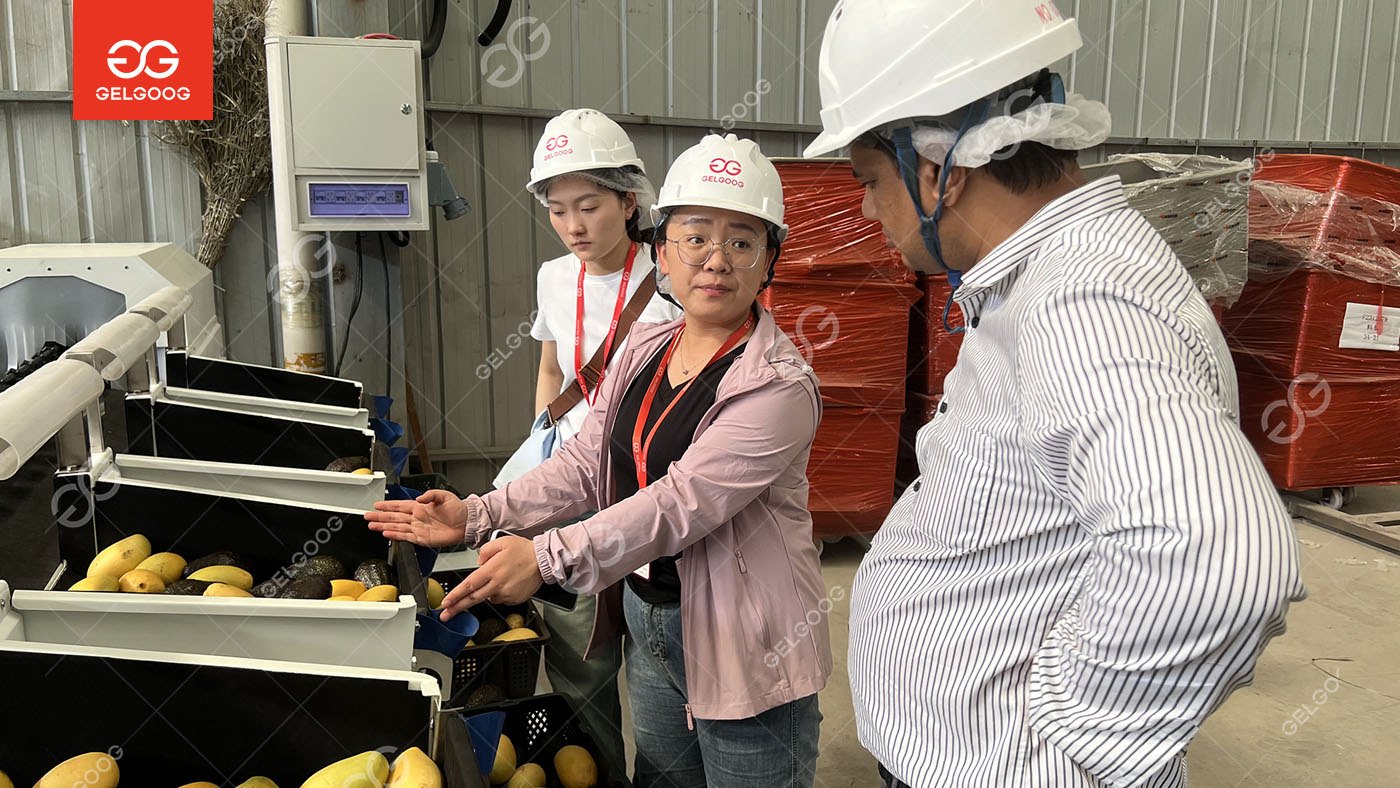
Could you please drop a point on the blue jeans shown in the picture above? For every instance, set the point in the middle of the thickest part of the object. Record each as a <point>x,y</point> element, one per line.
<point>776,749</point>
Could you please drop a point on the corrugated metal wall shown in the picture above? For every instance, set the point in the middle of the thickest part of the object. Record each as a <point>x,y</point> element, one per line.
<point>1177,76</point>
<point>1205,74</point>
<point>68,181</point>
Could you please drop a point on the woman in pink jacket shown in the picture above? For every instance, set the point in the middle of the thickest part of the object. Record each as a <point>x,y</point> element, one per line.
<point>694,455</point>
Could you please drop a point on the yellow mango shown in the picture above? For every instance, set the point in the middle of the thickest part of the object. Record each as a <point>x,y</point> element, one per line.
<point>168,565</point>
<point>351,588</point>
<point>224,589</point>
<point>435,594</point>
<point>257,782</point>
<point>366,770</point>
<point>141,581</point>
<point>575,767</point>
<point>414,769</point>
<point>121,557</point>
<point>99,583</point>
<point>384,593</point>
<point>519,633</point>
<point>504,765</point>
<point>531,775</point>
<point>90,770</point>
<point>222,573</point>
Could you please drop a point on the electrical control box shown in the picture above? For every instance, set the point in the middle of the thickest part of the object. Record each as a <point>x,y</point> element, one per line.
<point>346,120</point>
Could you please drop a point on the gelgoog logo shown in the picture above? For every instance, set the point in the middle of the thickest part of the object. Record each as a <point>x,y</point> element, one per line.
<point>726,166</point>
<point>557,146</point>
<point>143,60</point>
<point>143,53</point>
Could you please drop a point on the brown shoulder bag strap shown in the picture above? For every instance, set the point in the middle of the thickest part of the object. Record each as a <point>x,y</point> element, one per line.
<point>593,370</point>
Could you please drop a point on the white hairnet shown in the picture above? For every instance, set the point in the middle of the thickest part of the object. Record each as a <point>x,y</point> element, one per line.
<point>619,179</point>
<point>1074,125</point>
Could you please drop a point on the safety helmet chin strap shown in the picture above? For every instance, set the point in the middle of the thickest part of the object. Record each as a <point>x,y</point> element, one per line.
<point>908,159</point>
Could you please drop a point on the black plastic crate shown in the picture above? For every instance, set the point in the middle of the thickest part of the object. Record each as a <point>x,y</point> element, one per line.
<point>429,481</point>
<point>513,666</point>
<point>539,726</point>
<point>172,719</point>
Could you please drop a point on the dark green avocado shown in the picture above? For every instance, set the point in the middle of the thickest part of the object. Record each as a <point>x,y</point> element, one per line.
<point>484,695</point>
<point>187,587</point>
<point>308,587</point>
<point>489,630</point>
<point>323,565</point>
<point>220,558</point>
<point>376,573</point>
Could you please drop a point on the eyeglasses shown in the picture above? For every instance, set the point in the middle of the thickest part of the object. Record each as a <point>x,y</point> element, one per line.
<point>695,250</point>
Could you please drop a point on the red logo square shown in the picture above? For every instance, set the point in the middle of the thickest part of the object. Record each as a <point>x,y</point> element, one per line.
<point>143,59</point>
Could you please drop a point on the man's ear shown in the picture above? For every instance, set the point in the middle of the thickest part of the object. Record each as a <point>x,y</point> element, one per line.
<point>928,185</point>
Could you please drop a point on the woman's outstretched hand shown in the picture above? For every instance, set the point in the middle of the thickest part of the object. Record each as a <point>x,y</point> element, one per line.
<point>509,574</point>
<point>437,518</point>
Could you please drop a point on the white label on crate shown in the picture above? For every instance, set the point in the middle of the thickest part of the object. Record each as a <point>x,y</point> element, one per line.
<point>1371,327</point>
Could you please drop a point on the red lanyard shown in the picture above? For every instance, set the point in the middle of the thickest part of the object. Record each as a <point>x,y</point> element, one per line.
<point>640,447</point>
<point>612,329</point>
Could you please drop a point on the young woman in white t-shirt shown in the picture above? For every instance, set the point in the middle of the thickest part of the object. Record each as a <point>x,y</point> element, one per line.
<point>587,173</point>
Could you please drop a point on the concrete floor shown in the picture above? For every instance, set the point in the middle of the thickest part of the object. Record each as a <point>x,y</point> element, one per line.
<point>1337,669</point>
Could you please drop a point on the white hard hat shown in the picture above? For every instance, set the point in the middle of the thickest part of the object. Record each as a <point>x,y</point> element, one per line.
<point>888,60</point>
<point>581,139</point>
<point>725,172</point>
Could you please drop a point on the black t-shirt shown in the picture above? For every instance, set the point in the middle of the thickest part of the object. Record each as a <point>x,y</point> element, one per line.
<point>672,438</point>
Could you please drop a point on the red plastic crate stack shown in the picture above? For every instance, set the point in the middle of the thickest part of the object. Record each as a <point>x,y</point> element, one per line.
<point>1316,332</point>
<point>842,295</point>
<point>933,350</point>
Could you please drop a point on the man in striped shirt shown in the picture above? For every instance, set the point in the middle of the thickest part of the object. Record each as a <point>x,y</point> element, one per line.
<point>1093,556</point>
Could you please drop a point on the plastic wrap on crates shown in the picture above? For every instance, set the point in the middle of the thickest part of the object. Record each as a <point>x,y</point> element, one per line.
<point>933,349</point>
<point>1317,357</point>
<point>852,469</point>
<point>1198,204</point>
<point>1352,234</point>
<point>827,233</point>
<point>1323,173</point>
<point>854,334</point>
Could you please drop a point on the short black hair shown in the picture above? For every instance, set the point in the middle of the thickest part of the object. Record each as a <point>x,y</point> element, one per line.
<point>1020,167</point>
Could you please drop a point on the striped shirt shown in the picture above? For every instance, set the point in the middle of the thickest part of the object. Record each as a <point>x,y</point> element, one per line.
<point>1093,556</point>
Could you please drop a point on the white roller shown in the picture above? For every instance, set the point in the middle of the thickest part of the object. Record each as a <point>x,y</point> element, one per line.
<point>117,345</point>
<point>36,408</point>
<point>164,306</point>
